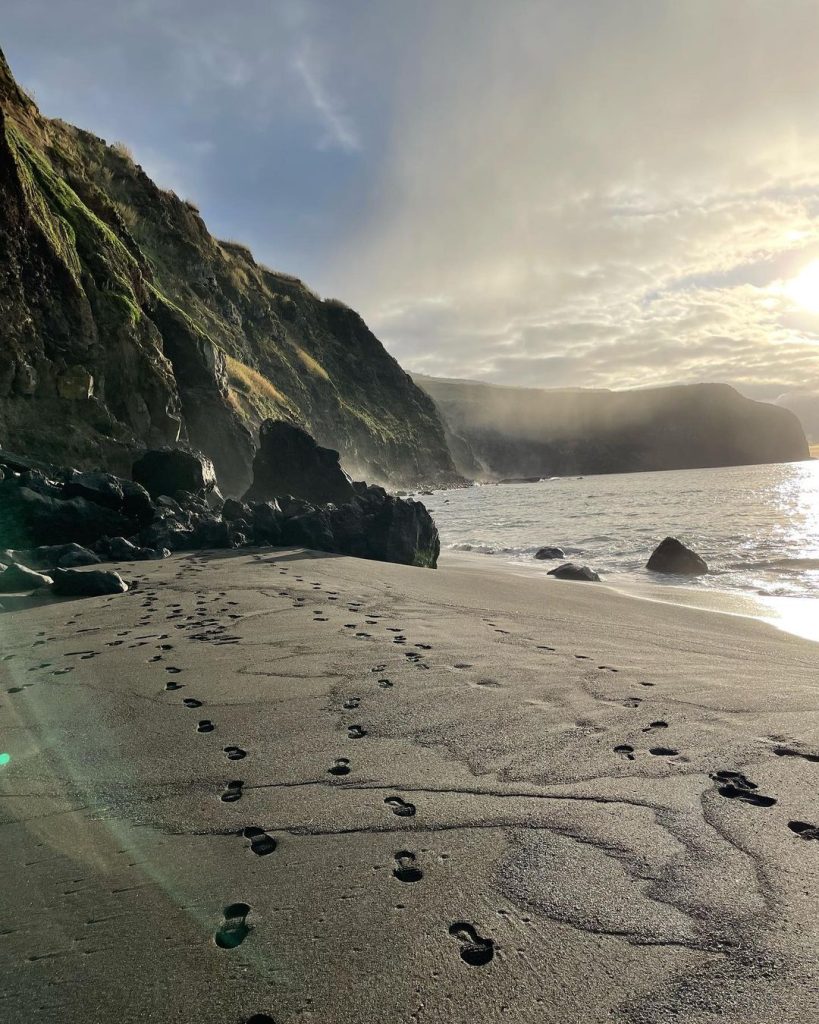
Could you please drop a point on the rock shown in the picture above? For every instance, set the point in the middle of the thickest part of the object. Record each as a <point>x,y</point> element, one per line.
<point>233,509</point>
<point>386,528</point>
<point>102,488</point>
<point>546,553</point>
<point>29,519</point>
<point>265,519</point>
<point>75,384</point>
<point>210,532</point>
<point>93,583</point>
<point>288,461</point>
<point>572,571</point>
<point>672,556</point>
<point>168,470</point>
<point>50,556</point>
<point>118,549</point>
<point>18,577</point>
<point>215,499</point>
<point>136,502</point>
<point>82,556</point>
<point>311,530</point>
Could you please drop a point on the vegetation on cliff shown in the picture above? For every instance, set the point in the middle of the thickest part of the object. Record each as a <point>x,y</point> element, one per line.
<point>127,324</point>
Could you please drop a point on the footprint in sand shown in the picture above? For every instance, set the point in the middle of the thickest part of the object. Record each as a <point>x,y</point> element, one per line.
<point>792,752</point>
<point>173,686</point>
<point>172,670</point>
<point>351,704</point>
<point>475,949</point>
<point>341,766</point>
<point>400,807</point>
<point>235,753</point>
<point>205,726</point>
<point>654,725</point>
<point>736,786</point>
<point>260,842</point>
<point>626,750</point>
<point>663,751</point>
<point>260,1018</point>
<point>385,684</point>
<point>405,869</point>
<point>804,829</point>
<point>234,929</point>
<point>233,792</point>
<point>192,702</point>
<point>356,732</point>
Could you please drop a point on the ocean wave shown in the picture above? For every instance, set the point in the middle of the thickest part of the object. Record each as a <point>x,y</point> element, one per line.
<point>795,564</point>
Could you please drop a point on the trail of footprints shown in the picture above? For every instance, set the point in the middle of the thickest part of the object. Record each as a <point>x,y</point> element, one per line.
<point>730,784</point>
<point>474,948</point>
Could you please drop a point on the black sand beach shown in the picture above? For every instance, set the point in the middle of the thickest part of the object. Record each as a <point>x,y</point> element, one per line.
<point>323,789</point>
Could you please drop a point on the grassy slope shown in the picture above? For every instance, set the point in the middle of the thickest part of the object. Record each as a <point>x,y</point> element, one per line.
<point>139,258</point>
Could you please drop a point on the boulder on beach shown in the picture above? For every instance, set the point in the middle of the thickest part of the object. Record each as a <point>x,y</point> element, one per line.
<point>17,577</point>
<point>573,571</point>
<point>120,549</point>
<point>289,461</point>
<point>169,470</point>
<point>30,518</point>
<point>51,556</point>
<point>91,583</point>
<point>672,556</point>
<point>379,526</point>
<point>547,553</point>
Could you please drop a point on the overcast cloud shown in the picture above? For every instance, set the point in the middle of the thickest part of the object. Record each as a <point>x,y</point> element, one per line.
<point>600,193</point>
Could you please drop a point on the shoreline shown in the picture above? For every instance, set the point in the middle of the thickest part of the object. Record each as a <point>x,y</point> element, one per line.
<point>270,780</point>
<point>797,616</point>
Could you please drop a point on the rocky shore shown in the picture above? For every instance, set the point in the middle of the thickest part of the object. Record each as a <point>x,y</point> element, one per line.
<point>54,520</point>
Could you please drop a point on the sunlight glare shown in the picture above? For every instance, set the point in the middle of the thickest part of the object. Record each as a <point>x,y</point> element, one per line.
<point>804,288</point>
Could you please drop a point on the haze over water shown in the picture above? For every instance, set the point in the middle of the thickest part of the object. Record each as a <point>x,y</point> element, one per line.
<point>756,526</point>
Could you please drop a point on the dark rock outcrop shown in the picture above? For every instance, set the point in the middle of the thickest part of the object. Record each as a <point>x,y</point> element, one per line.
<point>288,461</point>
<point>29,519</point>
<point>91,583</point>
<point>17,577</point>
<point>542,554</point>
<point>572,571</point>
<point>43,527</point>
<point>169,470</point>
<point>672,556</point>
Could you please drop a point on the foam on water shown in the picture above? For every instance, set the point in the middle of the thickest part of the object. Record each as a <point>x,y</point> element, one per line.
<point>756,526</point>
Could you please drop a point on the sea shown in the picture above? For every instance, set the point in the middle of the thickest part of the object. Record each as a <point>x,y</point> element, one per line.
<point>757,527</point>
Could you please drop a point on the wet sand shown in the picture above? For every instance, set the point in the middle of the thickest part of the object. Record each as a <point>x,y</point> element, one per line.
<point>329,790</point>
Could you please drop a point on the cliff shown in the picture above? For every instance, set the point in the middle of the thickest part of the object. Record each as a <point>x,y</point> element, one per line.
<point>528,432</point>
<point>126,324</point>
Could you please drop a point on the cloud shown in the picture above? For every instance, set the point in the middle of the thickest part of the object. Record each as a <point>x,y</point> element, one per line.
<point>607,192</point>
<point>338,131</point>
<point>601,193</point>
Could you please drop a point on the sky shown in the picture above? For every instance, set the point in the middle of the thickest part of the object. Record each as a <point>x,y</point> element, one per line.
<point>598,193</point>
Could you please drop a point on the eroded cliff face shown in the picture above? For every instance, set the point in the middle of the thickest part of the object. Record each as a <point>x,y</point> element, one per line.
<point>528,432</point>
<point>126,324</point>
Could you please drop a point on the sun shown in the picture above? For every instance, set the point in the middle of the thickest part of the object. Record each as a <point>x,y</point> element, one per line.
<point>804,288</point>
